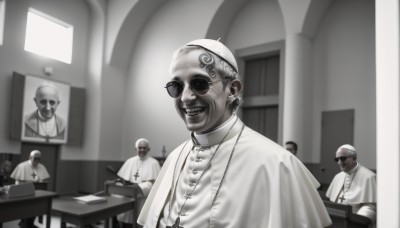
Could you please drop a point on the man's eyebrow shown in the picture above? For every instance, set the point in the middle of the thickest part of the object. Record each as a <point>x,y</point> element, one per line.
<point>176,78</point>
<point>198,75</point>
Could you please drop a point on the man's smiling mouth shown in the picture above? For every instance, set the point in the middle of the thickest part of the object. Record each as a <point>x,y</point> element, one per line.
<point>193,111</point>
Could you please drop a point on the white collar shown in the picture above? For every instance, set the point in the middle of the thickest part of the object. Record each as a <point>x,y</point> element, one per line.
<point>353,170</point>
<point>43,119</point>
<point>232,125</point>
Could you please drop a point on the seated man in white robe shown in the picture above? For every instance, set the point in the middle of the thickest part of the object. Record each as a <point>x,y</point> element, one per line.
<point>142,170</point>
<point>31,171</point>
<point>226,175</point>
<point>355,185</point>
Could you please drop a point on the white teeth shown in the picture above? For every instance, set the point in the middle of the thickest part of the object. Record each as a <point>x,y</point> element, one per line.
<point>193,111</point>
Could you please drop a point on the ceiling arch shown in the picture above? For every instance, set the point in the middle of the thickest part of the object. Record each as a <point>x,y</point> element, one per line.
<point>130,30</point>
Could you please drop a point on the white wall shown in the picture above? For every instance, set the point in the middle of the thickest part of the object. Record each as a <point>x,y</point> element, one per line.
<point>344,72</point>
<point>258,22</point>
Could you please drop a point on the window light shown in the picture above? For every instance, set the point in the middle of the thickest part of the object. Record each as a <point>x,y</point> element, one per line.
<point>2,16</point>
<point>48,36</point>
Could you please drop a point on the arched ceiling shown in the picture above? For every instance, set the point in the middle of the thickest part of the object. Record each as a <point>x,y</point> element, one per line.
<point>223,17</point>
<point>130,31</point>
<point>311,12</point>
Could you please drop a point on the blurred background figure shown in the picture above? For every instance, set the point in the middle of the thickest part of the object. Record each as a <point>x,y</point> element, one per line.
<point>291,146</point>
<point>30,171</point>
<point>5,173</point>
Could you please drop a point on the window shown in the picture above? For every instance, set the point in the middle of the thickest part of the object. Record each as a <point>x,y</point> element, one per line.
<point>261,95</point>
<point>48,36</point>
<point>2,16</point>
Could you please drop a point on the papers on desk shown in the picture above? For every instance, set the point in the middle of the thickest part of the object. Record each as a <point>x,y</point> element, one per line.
<point>90,199</point>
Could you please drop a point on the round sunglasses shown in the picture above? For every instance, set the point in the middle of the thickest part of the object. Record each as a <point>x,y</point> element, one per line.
<point>342,158</point>
<point>199,86</point>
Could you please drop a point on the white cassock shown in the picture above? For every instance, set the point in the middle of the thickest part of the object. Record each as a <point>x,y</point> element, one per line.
<point>25,172</point>
<point>142,172</point>
<point>356,188</point>
<point>264,186</point>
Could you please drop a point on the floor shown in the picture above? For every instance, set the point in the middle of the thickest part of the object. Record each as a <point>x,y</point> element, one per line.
<point>55,223</point>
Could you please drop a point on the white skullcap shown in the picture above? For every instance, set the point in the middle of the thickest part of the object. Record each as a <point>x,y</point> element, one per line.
<point>140,140</point>
<point>34,152</point>
<point>218,49</point>
<point>349,148</point>
<point>47,84</point>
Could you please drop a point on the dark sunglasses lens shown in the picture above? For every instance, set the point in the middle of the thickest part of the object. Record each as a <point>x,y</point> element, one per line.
<point>341,159</point>
<point>174,89</point>
<point>199,86</point>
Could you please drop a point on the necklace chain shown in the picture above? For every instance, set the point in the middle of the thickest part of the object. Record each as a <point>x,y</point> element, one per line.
<point>343,189</point>
<point>207,166</point>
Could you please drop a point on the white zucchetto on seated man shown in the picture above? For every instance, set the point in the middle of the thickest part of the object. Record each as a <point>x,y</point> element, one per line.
<point>225,174</point>
<point>355,185</point>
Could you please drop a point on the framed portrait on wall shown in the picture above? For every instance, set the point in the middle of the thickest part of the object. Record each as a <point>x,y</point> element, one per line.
<point>45,110</point>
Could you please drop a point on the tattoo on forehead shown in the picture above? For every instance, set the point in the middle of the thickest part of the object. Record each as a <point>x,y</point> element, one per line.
<point>227,69</point>
<point>207,60</point>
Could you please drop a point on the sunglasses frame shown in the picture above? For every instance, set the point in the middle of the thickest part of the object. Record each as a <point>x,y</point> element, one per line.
<point>197,92</point>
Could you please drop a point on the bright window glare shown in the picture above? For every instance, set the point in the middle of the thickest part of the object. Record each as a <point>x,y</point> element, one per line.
<point>2,15</point>
<point>48,37</point>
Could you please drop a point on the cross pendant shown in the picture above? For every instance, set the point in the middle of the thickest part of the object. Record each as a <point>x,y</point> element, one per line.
<point>342,198</point>
<point>33,175</point>
<point>176,225</point>
<point>136,174</point>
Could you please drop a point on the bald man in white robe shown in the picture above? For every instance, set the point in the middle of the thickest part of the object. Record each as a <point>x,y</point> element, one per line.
<point>355,185</point>
<point>226,175</point>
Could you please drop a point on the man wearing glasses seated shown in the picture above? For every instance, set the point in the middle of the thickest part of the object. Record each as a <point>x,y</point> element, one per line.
<point>355,185</point>
<point>30,171</point>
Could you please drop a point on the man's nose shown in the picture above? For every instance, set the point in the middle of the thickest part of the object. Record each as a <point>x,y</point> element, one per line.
<point>187,94</point>
<point>48,105</point>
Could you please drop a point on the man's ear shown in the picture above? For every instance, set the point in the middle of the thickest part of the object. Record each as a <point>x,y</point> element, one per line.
<point>236,88</point>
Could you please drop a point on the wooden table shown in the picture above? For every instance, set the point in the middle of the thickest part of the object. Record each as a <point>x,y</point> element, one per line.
<point>74,212</point>
<point>27,206</point>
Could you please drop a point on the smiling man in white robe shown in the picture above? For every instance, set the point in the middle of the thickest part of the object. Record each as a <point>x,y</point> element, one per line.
<point>141,170</point>
<point>355,185</point>
<point>226,175</point>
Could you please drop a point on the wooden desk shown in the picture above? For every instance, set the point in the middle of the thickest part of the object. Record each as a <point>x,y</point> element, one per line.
<point>133,190</point>
<point>27,206</point>
<point>343,217</point>
<point>71,211</point>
